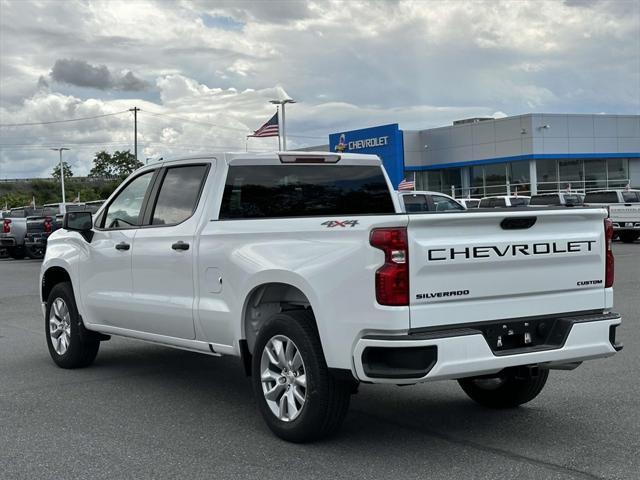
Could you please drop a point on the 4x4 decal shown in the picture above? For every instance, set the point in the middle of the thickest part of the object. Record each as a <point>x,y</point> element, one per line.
<point>340,223</point>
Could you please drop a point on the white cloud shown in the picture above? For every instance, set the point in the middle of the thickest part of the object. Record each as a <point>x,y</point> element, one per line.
<point>348,63</point>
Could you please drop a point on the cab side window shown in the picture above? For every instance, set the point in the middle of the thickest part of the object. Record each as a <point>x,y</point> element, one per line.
<point>179,193</point>
<point>125,211</point>
<point>442,204</point>
<point>415,203</point>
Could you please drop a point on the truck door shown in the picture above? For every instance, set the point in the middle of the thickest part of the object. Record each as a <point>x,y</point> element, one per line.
<point>106,272</point>
<point>163,254</point>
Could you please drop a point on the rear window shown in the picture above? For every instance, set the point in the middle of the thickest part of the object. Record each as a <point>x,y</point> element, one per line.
<point>519,202</point>
<point>572,200</point>
<point>50,211</point>
<point>631,197</point>
<point>601,197</point>
<point>272,191</point>
<point>415,203</point>
<point>472,203</point>
<point>545,200</point>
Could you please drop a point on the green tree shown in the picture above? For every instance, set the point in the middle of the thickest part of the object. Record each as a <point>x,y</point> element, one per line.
<point>118,165</point>
<point>65,167</point>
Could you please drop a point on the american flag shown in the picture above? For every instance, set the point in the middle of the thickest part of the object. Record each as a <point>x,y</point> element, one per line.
<point>269,129</point>
<point>407,185</point>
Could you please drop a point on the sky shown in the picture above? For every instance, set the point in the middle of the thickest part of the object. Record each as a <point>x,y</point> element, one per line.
<point>203,72</point>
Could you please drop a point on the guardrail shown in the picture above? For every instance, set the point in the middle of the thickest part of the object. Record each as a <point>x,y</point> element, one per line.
<point>543,187</point>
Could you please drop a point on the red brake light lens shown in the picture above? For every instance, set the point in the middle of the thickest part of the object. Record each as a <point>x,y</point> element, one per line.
<point>6,226</point>
<point>47,225</point>
<point>392,279</point>
<point>609,271</point>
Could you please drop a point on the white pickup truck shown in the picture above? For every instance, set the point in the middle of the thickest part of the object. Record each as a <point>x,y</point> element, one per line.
<point>624,210</point>
<point>303,265</point>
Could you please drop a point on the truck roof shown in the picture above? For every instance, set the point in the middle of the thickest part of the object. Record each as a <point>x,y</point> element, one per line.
<point>281,157</point>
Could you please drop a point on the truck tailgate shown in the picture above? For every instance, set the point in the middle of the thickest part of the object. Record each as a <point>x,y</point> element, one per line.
<point>482,266</point>
<point>625,213</point>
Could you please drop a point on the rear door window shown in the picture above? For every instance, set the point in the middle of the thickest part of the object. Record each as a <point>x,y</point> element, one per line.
<point>276,191</point>
<point>415,203</point>
<point>631,197</point>
<point>601,197</point>
<point>179,194</point>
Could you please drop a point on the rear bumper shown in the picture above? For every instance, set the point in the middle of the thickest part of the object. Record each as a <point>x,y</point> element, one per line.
<point>6,241</point>
<point>620,226</point>
<point>464,352</point>
<point>35,240</point>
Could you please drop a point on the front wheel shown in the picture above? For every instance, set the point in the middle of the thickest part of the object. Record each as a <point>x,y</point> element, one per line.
<point>509,389</point>
<point>70,345</point>
<point>297,396</point>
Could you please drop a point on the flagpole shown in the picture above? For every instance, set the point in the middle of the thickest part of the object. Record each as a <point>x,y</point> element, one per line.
<point>279,137</point>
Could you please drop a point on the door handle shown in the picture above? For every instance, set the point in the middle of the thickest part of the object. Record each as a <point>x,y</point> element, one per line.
<point>123,246</point>
<point>180,245</point>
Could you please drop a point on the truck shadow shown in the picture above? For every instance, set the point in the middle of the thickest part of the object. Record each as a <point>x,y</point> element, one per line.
<point>412,416</point>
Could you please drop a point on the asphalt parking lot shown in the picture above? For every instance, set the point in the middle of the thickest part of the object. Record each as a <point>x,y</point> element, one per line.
<point>144,411</point>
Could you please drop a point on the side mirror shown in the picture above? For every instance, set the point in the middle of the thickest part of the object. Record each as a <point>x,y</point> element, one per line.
<point>81,222</point>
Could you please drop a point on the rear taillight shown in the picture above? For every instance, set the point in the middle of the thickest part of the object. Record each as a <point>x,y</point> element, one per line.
<point>392,279</point>
<point>6,226</point>
<point>609,261</point>
<point>47,225</point>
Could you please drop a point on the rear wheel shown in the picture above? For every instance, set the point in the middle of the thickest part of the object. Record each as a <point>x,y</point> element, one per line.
<point>70,344</point>
<point>35,251</point>
<point>510,388</point>
<point>17,253</point>
<point>629,237</point>
<point>297,396</point>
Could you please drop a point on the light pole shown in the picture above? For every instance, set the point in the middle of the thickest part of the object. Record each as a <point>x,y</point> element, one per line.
<point>61,149</point>
<point>282,103</point>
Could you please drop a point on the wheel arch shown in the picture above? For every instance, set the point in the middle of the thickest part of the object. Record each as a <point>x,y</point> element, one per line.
<point>266,299</point>
<point>50,278</point>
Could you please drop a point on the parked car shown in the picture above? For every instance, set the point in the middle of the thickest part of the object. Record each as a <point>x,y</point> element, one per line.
<point>624,210</point>
<point>14,230</point>
<point>503,201</point>
<point>424,201</point>
<point>469,202</point>
<point>558,199</point>
<point>50,219</point>
<point>304,266</point>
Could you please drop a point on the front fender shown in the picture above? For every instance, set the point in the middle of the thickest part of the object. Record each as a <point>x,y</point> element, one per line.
<point>65,250</point>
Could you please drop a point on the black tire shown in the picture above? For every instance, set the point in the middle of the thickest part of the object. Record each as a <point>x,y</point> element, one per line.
<point>326,398</point>
<point>507,390</point>
<point>83,345</point>
<point>629,237</point>
<point>17,253</point>
<point>35,252</point>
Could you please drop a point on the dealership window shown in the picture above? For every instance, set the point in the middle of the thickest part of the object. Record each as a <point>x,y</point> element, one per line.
<point>617,172</point>
<point>571,173</point>
<point>519,178</point>
<point>495,177</point>
<point>595,174</point>
<point>547,171</point>
<point>477,181</point>
<point>437,180</point>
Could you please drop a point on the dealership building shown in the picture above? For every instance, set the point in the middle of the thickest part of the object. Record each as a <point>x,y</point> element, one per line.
<point>524,154</point>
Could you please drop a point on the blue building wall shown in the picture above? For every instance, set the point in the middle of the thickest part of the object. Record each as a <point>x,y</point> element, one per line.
<point>386,141</point>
